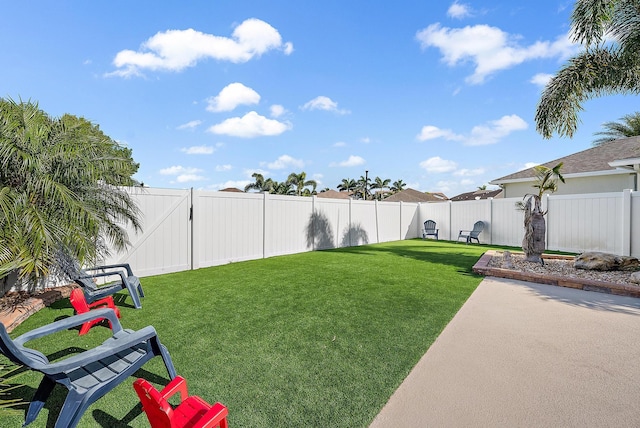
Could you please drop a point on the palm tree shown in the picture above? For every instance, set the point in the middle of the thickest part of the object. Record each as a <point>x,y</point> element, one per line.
<point>483,187</point>
<point>604,67</point>
<point>629,126</point>
<point>534,243</point>
<point>259,184</point>
<point>60,190</point>
<point>381,184</point>
<point>280,188</point>
<point>347,185</point>
<point>362,186</point>
<point>398,186</point>
<point>300,182</point>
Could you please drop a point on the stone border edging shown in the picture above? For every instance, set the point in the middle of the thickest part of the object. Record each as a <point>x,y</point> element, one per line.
<point>482,268</point>
<point>13,318</point>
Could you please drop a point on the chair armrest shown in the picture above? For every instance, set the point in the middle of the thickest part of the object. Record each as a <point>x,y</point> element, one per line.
<point>123,278</point>
<point>101,352</point>
<point>212,418</point>
<point>178,384</point>
<point>67,323</point>
<point>121,266</point>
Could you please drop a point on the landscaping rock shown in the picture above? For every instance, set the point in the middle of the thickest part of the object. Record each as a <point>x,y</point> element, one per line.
<point>604,261</point>
<point>635,278</point>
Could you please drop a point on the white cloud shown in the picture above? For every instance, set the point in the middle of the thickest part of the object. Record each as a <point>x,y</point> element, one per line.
<point>352,161</point>
<point>231,96</point>
<point>459,10</point>
<point>339,144</point>
<point>250,125</point>
<point>187,178</point>
<point>365,140</point>
<point>495,130</point>
<point>489,133</point>
<point>437,165</point>
<point>183,174</point>
<point>528,165</point>
<point>176,170</point>
<point>198,150</point>
<point>324,103</point>
<point>222,168</point>
<point>541,79</point>
<point>489,48</point>
<point>431,132</point>
<point>175,50</point>
<point>286,161</point>
<point>469,172</point>
<point>190,125</point>
<point>277,110</point>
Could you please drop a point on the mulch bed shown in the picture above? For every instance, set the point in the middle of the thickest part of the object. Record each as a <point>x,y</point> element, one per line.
<point>15,307</point>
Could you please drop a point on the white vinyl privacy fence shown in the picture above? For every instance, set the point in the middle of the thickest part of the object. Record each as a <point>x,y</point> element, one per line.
<point>190,229</point>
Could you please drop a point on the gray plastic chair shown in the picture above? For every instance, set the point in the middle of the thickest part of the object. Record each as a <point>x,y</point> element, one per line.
<point>90,374</point>
<point>429,229</point>
<point>92,291</point>
<point>478,227</point>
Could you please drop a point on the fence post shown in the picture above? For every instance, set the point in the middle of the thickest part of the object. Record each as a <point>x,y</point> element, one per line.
<point>545,208</point>
<point>264,224</point>
<point>191,231</point>
<point>626,222</point>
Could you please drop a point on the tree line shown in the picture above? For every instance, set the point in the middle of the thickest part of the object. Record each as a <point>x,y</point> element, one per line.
<point>298,185</point>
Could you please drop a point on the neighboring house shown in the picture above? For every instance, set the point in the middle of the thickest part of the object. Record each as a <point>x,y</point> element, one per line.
<point>610,167</point>
<point>334,195</point>
<point>411,195</point>
<point>478,194</point>
<point>232,189</point>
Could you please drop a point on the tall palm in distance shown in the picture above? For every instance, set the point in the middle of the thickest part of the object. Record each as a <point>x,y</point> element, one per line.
<point>603,67</point>
<point>260,184</point>
<point>398,186</point>
<point>628,126</point>
<point>379,183</point>
<point>300,182</point>
<point>362,187</point>
<point>347,185</point>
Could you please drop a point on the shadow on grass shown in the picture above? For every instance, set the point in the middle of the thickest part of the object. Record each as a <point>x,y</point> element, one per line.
<point>460,255</point>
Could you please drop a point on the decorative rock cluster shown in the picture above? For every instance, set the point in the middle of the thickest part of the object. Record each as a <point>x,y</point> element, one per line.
<point>605,262</point>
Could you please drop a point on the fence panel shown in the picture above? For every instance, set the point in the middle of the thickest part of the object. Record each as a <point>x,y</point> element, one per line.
<point>635,225</point>
<point>362,229</point>
<point>331,223</point>
<point>164,245</point>
<point>464,214</point>
<point>440,212</point>
<point>507,223</point>
<point>228,227</point>
<point>387,221</point>
<point>410,224</point>
<point>578,223</point>
<point>288,220</point>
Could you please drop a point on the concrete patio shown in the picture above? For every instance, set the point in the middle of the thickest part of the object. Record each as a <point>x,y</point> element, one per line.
<point>521,354</point>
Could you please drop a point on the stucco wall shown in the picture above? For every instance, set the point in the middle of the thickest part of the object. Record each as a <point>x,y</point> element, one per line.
<point>578,185</point>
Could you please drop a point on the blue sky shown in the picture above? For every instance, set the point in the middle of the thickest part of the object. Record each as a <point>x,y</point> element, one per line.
<point>440,94</point>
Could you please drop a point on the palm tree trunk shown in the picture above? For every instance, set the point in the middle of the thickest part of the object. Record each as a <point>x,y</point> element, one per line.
<point>534,243</point>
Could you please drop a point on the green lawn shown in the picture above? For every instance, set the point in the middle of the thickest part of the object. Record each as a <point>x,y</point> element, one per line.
<point>314,339</point>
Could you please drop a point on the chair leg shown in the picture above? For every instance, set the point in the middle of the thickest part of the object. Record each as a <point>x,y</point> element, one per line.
<point>72,410</point>
<point>38,400</point>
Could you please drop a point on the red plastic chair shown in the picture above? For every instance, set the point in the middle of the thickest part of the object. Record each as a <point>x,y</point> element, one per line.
<point>192,412</point>
<point>81,306</point>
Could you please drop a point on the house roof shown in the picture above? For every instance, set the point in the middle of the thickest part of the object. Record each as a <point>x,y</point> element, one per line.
<point>478,194</point>
<point>411,195</point>
<point>588,162</point>
<point>334,195</point>
<point>232,189</point>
